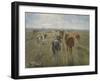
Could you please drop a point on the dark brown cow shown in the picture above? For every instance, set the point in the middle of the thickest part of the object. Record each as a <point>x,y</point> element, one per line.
<point>69,41</point>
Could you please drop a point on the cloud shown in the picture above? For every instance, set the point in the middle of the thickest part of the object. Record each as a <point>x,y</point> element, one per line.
<point>56,21</point>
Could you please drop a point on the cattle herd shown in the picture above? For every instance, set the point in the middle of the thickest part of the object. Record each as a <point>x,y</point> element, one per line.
<point>65,40</point>
<point>46,48</point>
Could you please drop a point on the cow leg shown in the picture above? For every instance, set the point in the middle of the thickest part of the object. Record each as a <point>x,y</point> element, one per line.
<point>68,55</point>
<point>53,50</point>
<point>56,58</point>
<point>71,56</point>
<point>71,50</point>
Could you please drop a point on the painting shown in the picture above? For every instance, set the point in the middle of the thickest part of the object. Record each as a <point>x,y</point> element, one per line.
<point>56,40</point>
<point>52,40</point>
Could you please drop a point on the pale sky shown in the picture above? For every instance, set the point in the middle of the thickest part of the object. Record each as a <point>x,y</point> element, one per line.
<point>56,21</point>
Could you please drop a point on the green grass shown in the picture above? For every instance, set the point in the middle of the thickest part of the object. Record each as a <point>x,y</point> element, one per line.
<point>38,54</point>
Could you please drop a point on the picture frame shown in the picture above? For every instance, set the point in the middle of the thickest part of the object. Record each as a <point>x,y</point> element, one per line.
<point>28,19</point>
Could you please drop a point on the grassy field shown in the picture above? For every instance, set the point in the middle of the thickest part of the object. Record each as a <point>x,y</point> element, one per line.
<point>38,53</point>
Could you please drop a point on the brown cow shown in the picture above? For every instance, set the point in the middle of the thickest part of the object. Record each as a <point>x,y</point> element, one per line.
<point>69,41</point>
<point>77,36</point>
